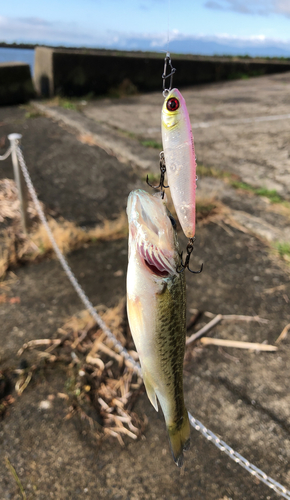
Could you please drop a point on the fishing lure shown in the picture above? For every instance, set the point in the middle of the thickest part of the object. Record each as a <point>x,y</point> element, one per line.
<point>156,305</point>
<point>179,159</point>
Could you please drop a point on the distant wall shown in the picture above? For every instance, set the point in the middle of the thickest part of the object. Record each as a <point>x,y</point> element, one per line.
<point>16,85</point>
<point>79,72</point>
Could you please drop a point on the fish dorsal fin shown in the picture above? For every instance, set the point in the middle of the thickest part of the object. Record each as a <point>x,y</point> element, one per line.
<point>150,391</point>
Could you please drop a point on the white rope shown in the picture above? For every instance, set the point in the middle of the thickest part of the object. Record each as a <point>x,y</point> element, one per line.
<point>239,459</point>
<point>118,346</point>
<point>252,469</point>
<point>8,152</point>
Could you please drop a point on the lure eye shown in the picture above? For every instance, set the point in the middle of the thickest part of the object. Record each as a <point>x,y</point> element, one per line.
<point>172,104</point>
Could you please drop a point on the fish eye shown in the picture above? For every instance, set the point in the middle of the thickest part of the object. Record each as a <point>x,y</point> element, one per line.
<point>172,104</point>
<point>172,220</point>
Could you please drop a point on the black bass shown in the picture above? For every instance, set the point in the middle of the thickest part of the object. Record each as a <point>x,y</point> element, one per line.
<point>156,305</point>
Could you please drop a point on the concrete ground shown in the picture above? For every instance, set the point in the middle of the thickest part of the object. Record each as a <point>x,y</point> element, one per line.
<point>83,165</point>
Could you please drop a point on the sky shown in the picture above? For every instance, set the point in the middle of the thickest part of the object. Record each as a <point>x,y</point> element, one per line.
<point>143,24</point>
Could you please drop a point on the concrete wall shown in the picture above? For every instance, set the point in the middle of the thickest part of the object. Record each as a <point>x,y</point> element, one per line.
<point>80,72</point>
<point>16,85</point>
<point>43,71</point>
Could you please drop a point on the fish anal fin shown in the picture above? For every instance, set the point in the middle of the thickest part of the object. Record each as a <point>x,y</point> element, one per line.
<point>150,391</point>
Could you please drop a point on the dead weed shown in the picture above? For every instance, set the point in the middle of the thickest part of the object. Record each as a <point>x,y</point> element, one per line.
<point>100,387</point>
<point>16,246</point>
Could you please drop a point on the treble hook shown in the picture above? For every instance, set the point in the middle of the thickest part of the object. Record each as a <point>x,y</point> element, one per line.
<point>182,267</point>
<point>167,61</point>
<point>162,174</point>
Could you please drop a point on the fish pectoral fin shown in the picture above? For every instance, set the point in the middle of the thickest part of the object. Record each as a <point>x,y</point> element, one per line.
<point>150,392</point>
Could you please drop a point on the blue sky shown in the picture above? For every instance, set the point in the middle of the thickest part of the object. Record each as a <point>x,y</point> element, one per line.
<point>111,23</point>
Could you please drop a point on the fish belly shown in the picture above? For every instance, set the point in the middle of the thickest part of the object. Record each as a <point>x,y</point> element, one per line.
<point>157,318</point>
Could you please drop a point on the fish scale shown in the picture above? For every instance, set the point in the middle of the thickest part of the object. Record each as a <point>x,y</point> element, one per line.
<point>170,335</point>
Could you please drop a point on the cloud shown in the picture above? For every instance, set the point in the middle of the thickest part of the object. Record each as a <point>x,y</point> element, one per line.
<point>283,7</point>
<point>260,7</point>
<point>37,30</point>
<point>212,4</point>
<point>255,45</point>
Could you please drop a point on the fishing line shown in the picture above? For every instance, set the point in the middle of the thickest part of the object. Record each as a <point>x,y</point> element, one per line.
<point>168,16</point>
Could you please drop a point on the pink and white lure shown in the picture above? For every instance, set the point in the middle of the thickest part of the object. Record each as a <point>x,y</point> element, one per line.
<point>180,159</point>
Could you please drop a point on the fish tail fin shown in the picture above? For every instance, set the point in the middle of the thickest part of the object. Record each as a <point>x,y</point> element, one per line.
<point>179,438</point>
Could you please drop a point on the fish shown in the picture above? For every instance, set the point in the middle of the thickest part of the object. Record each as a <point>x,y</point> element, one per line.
<point>156,306</point>
<point>179,153</point>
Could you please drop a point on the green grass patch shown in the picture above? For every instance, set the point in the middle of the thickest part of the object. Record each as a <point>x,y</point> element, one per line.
<point>32,114</point>
<point>204,209</point>
<point>283,249</point>
<point>271,194</point>
<point>203,171</point>
<point>152,178</point>
<point>127,133</point>
<point>152,144</point>
<point>66,104</point>
<point>235,182</point>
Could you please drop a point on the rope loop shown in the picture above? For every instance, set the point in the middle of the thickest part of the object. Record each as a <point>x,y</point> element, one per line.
<point>6,155</point>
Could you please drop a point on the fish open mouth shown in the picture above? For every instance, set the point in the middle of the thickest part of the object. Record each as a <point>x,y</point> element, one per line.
<point>154,260</point>
<point>151,233</point>
<point>155,270</point>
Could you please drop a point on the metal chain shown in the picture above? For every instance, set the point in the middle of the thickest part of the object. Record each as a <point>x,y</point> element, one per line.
<point>198,426</point>
<point>6,155</point>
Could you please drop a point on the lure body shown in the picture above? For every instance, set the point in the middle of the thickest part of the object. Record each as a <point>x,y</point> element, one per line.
<point>180,159</point>
<point>156,306</point>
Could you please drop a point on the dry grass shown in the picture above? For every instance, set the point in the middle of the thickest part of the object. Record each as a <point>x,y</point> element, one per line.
<point>68,236</point>
<point>100,387</point>
<point>9,203</point>
<point>4,261</point>
<point>17,247</point>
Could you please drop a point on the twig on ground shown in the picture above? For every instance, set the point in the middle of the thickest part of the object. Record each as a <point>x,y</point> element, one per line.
<point>219,317</point>
<point>236,317</point>
<point>283,334</point>
<point>108,385</point>
<point>241,317</point>
<point>275,289</point>
<point>193,320</point>
<point>102,347</point>
<point>39,342</point>
<point>228,356</point>
<point>97,342</point>
<point>95,361</point>
<point>21,385</point>
<point>238,344</point>
<point>14,474</point>
<point>205,329</point>
<point>81,337</point>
